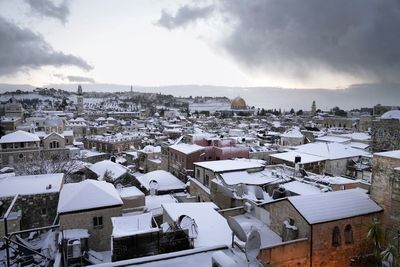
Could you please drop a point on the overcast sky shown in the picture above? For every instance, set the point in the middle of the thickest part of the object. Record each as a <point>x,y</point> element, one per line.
<point>287,43</point>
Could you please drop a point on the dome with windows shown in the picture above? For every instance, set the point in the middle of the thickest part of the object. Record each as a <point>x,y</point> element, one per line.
<point>238,103</point>
<point>392,114</point>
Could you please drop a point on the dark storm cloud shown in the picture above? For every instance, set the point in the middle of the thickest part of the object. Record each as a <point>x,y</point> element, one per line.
<point>184,16</point>
<point>22,49</point>
<point>358,37</point>
<point>80,79</point>
<point>48,8</point>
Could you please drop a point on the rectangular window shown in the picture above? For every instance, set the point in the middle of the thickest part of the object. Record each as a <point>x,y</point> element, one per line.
<point>197,173</point>
<point>98,222</point>
<point>44,212</point>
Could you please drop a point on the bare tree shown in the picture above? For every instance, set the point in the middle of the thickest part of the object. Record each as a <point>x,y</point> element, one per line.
<point>45,165</point>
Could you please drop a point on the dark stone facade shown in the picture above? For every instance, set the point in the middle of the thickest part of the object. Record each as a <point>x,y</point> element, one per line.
<point>385,135</point>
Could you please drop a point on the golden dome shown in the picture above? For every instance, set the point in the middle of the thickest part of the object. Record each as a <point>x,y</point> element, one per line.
<point>238,103</point>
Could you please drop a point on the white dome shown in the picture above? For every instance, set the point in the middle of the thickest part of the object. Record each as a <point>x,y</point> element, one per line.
<point>53,121</point>
<point>393,114</point>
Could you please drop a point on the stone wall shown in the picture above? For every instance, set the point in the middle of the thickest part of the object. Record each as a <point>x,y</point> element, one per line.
<point>385,135</point>
<point>100,237</point>
<point>325,254</point>
<point>37,210</point>
<point>385,190</point>
<point>281,211</point>
<point>293,253</point>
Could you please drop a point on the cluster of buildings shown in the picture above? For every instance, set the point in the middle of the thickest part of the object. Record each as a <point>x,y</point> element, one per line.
<point>207,182</point>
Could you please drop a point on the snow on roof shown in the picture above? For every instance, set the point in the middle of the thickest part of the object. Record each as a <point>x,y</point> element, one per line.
<point>358,145</point>
<point>392,114</point>
<point>88,194</point>
<point>74,234</point>
<point>213,229</point>
<point>389,154</point>
<point>130,192</point>
<point>187,148</point>
<point>19,136</point>
<point>331,151</point>
<point>318,208</point>
<point>290,157</point>
<point>31,184</point>
<point>228,165</point>
<point>243,177</point>
<point>300,188</point>
<point>153,203</point>
<point>151,149</point>
<point>132,225</point>
<point>359,136</point>
<point>165,180</point>
<point>115,170</point>
<point>293,133</point>
<point>329,138</point>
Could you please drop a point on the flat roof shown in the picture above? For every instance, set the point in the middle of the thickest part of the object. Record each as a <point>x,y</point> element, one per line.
<point>228,165</point>
<point>31,184</point>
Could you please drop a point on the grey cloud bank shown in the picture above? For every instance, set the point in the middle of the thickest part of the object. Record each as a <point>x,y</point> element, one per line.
<point>357,38</point>
<point>21,50</point>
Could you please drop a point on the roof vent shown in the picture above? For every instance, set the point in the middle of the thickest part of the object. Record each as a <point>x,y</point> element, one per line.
<point>48,187</point>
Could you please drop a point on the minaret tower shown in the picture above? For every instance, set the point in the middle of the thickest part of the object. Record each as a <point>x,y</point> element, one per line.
<point>80,100</point>
<point>313,108</point>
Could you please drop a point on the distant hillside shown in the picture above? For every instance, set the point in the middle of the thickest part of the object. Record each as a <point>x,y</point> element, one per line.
<point>356,96</point>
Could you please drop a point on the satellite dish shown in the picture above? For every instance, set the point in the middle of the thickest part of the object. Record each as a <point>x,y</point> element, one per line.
<point>187,223</point>
<point>153,185</point>
<point>237,229</point>
<point>253,245</point>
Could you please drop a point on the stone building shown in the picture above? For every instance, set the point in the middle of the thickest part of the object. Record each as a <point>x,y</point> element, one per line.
<point>79,105</point>
<point>385,189</point>
<point>149,158</point>
<point>37,198</point>
<point>90,205</point>
<point>299,232</point>
<point>386,132</point>
<point>206,171</point>
<point>181,159</point>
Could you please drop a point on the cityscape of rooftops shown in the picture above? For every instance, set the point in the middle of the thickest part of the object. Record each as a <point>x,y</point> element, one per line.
<point>220,133</point>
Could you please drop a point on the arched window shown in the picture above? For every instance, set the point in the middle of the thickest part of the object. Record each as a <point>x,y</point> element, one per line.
<point>54,144</point>
<point>348,234</point>
<point>336,237</point>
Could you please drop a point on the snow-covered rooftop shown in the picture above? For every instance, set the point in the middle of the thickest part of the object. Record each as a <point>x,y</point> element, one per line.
<point>213,229</point>
<point>319,208</point>
<point>19,136</point>
<point>88,194</point>
<point>300,188</point>
<point>291,155</point>
<point>187,148</point>
<point>165,180</point>
<point>390,154</point>
<point>31,184</point>
<point>392,114</point>
<point>132,225</point>
<point>130,192</point>
<point>331,151</point>
<point>228,165</point>
<point>115,170</point>
<point>293,133</point>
